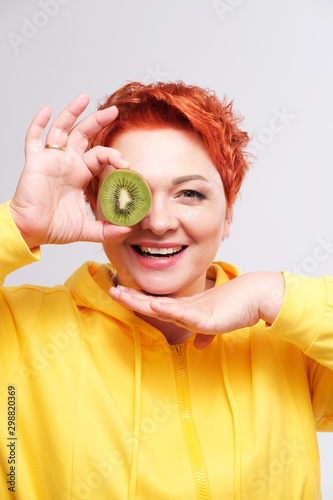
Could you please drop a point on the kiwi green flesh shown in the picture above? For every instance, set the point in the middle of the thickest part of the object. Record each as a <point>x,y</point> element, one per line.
<point>125,198</point>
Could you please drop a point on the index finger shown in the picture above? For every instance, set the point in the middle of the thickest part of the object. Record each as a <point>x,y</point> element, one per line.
<point>88,127</point>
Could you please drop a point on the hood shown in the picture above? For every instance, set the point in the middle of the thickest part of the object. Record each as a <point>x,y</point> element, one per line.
<point>89,287</point>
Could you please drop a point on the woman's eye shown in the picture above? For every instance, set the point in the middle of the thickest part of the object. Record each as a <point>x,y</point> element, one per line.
<point>190,193</point>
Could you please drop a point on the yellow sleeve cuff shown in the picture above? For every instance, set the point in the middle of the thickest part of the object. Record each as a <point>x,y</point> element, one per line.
<point>14,251</point>
<point>306,316</point>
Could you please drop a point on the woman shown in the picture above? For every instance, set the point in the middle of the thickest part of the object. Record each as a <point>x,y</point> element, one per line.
<point>123,384</point>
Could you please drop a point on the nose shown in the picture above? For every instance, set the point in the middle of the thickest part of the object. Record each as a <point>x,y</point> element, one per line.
<point>160,218</point>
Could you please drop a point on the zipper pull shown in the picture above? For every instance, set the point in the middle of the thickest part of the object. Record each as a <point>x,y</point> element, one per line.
<point>178,349</point>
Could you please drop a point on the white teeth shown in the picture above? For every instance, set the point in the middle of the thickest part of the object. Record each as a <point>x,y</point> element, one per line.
<point>161,251</point>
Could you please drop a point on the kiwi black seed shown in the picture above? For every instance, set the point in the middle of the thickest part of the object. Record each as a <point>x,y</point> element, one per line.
<point>125,197</point>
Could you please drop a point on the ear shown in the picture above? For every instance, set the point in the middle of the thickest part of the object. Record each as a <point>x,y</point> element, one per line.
<point>227,223</point>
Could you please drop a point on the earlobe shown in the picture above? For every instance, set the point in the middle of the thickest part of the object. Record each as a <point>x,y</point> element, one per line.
<point>227,223</point>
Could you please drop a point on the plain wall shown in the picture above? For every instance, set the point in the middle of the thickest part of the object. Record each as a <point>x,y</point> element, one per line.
<point>274,59</point>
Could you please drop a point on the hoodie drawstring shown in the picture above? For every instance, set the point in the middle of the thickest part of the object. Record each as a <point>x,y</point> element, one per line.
<point>236,424</point>
<point>137,414</point>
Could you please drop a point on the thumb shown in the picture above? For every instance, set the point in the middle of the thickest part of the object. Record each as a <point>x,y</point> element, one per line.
<point>201,341</point>
<point>102,231</point>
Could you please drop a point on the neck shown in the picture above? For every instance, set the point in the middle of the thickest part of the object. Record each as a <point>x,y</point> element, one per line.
<point>173,333</point>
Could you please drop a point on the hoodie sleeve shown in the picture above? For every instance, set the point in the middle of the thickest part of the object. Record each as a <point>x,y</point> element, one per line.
<point>14,251</point>
<point>306,320</point>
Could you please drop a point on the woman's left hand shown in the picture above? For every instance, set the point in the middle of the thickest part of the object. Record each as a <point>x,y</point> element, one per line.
<point>236,304</point>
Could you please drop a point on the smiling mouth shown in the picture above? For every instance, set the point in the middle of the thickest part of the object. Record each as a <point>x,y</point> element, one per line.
<point>153,253</point>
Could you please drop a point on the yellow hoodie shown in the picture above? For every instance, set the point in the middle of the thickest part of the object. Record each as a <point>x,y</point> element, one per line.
<point>95,404</point>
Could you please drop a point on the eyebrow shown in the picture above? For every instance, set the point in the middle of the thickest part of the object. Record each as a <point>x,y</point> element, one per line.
<point>186,178</point>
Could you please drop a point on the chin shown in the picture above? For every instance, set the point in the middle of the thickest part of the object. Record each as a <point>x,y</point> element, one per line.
<point>159,290</point>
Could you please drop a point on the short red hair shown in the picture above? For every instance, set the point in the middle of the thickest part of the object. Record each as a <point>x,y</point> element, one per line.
<point>184,106</point>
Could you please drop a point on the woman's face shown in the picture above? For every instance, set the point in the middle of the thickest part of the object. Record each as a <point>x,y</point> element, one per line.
<point>170,250</point>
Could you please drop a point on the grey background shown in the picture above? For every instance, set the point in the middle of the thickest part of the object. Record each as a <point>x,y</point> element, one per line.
<point>274,59</point>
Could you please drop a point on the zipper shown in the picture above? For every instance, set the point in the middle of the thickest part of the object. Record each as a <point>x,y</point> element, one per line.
<point>190,434</point>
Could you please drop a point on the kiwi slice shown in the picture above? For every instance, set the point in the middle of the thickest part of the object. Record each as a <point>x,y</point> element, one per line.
<point>125,197</point>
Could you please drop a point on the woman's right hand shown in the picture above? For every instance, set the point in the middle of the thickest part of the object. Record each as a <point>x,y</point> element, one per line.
<point>49,205</point>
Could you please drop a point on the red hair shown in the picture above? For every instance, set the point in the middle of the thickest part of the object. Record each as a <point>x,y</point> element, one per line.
<point>184,106</point>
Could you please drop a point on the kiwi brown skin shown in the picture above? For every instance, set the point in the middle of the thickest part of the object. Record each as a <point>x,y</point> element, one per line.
<point>125,197</point>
